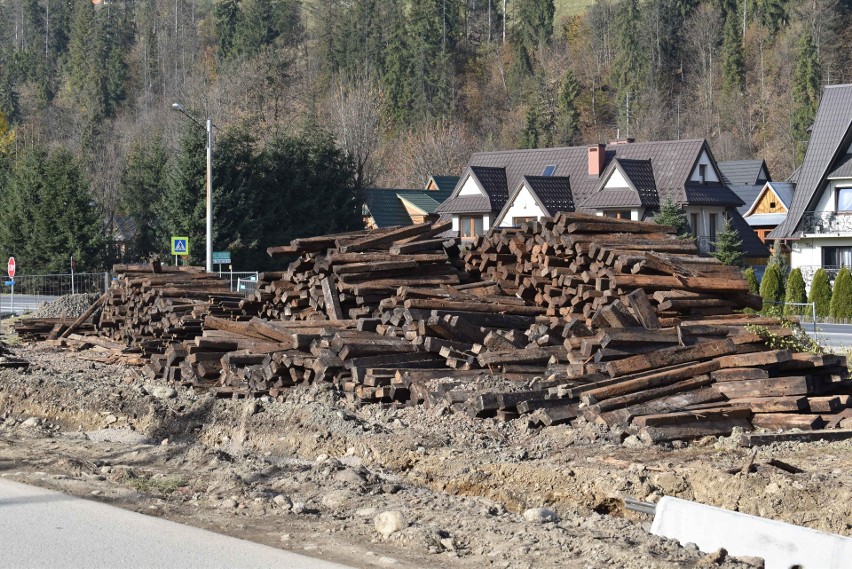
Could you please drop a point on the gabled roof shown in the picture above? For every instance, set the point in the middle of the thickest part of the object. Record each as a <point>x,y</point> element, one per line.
<point>641,190</point>
<point>553,193</point>
<point>711,194</point>
<point>444,183</point>
<point>490,180</point>
<point>752,245</point>
<point>743,172</point>
<point>674,161</point>
<point>748,194</point>
<point>425,200</point>
<point>385,208</point>
<point>843,168</point>
<point>830,138</point>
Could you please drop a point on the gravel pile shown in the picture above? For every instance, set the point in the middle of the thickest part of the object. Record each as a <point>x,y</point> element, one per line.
<point>70,305</point>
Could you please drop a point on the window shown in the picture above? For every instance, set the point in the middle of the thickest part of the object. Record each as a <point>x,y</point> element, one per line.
<point>693,221</point>
<point>470,226</point>
<point>618,213</point>
<point>549,170</point>
<point>713,226</point>
<point>844,199</point>
<point>520,220</point>
<point>837,256</point>
<point>702,173</point>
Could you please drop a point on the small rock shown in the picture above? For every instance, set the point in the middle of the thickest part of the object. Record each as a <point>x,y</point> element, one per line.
<point>297,507</point>
<point>165,442</point>
<point>110,419</point>
<point>540,515</point>
<point>365,512</point>
<point>229,503</point>
<point>390,522</point>
<point>283,501</point>
<point>756,562</point>
<point>632,441</point>
<point>715,558</point>
<point>337,499</point>
<point>164,392</point>
<point>384,560</point>
<point>321,458</point>
<point>32,423</point>
<point>286,537</point>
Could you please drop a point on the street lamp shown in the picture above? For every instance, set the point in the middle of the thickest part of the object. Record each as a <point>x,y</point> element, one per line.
<point>209,127</point>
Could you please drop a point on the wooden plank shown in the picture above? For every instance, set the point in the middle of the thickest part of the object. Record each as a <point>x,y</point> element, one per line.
<point>638,301</point>
<point>787,421</point>
<point>771,387</point>
<point>679,432</point>
<point>683,418</point>
<point>739,374</point>
<point>790,404</point>
<point>671,356</point>
<point>750,440</point>
<point>756,359</point>
<point>332,300</point>
<point>85,316</point>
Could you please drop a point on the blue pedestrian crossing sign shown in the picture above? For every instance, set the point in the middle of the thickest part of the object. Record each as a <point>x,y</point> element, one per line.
<point>180,245</point>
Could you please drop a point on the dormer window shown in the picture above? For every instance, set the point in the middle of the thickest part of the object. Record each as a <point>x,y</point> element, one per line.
<point>702,173</point>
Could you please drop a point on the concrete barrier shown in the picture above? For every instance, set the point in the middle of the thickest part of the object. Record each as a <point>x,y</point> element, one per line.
<point>781,545</point>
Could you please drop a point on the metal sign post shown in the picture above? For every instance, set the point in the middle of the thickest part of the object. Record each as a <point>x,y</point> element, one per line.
<point>10,270</point>
<point>180,247</point>
<point>221,258</point>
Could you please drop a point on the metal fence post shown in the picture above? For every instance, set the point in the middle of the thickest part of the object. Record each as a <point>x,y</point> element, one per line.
<point>106,281</point>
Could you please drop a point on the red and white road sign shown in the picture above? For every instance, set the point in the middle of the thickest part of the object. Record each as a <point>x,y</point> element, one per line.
<point>10,267</point>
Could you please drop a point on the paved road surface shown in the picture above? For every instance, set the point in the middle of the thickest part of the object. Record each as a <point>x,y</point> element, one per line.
<point>42,528</point>
<point>831,335</point>
<point>23,302</point>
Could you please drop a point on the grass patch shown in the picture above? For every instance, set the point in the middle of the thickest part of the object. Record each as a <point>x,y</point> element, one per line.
<point>157,485</point>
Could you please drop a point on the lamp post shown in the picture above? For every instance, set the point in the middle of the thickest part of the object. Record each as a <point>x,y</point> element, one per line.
<point>209,127</point>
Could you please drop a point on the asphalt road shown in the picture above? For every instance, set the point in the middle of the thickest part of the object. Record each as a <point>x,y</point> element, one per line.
<point>832,335</point>
<point>41,528</point>
<point>23,302</point>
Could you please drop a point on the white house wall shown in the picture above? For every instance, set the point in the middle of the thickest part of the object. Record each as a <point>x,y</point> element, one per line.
<point>710,173</point>
<point>524,205</point>
<point>827,199</point>
<point>470,188</point>
<point>704,212</point>
<point>616,180</point>
<point>808,253</point>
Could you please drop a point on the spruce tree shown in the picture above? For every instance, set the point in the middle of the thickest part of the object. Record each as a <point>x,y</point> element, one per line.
<point>395,78</point>
<point>729,246</point>
<point>534,23</point>
<point>806,90</point>
<point>820,293</point>
<point>672,214</point>
<point>751,278</point>
<point>733,66</point>
<point>181,208</point>
<point>795,292</point>
<point>142,182</point>
<point>630,65</point>
<point>840,307</point>
<point>568,120</point>
<point>530,136</point>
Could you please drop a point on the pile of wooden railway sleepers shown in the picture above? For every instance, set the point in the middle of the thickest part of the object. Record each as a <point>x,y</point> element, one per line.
<point>615,322</point>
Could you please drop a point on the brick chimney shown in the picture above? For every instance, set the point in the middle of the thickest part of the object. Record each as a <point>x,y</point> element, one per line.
<point>597,157</point>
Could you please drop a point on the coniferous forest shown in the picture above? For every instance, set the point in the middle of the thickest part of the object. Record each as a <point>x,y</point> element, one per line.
<point>313,100</point>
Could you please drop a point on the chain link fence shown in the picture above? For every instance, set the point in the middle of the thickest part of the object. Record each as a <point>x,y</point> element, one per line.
<point>31,291</point>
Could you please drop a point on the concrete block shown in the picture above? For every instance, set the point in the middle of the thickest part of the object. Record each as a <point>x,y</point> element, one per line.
<point>781,545</point>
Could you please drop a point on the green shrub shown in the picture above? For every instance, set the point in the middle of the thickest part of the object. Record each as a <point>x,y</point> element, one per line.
<point>795,292</point>
<point>772,286</point>
<point>729,246</point>
<point>840,307</point>
<point>672,214</point>
<point>753,286</point>
<point>820,293</point>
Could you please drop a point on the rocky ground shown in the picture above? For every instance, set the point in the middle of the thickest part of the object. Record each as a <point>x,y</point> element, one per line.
<point>384,487</point>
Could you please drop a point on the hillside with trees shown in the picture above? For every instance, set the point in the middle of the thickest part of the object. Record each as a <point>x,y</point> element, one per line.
<point>314,100</point>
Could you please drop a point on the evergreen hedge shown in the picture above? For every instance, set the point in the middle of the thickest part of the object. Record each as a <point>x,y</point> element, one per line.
<point>840,307</point>
<point>795,292</point>
<point>753,286</point>
<point>772,286</point>
<point>820,293</point>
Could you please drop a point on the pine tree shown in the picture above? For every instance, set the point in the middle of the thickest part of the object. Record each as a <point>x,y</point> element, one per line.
<point>729,246</point>
<point>795,292</point>
<point>142,182</point>
<point>530,136</point>
<point>733,66</point>
<point>672,214</point>
<point>772,287</point>
<point>534,23</point>
<point>629,67</point>
<point>751,278</point>
<point>181,208</point>
<point>820,293</point>
<point>568,120</point>
<point>807,80</point>
<point>431,35</point>
<point>395,78</point>
<point>840,307</point>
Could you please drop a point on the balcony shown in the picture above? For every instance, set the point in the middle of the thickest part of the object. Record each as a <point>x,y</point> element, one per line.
<point>808,272</point>
<point>826,223</point>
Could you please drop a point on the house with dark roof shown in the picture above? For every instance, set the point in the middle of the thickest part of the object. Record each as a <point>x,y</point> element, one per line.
<point>767,206</point>
<point>744,172</point>
<point>818,226</point>
<point>623,180</point>
<point>385,207</point>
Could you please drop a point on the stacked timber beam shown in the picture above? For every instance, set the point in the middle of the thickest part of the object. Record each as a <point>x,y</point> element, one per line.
<point>575,317</point>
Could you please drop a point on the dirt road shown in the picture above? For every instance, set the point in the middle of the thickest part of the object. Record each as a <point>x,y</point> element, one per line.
<point>311,474</point>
